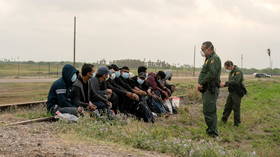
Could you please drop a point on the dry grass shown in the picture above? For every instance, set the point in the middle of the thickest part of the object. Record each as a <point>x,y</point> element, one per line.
<point>23,92</point>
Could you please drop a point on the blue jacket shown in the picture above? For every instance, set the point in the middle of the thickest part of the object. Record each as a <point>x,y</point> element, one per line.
<point>60,91</point>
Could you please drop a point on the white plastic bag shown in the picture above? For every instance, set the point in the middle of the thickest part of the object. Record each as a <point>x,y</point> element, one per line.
<point>175,101</point>
<point>167,104</point>
<point>66,117</point>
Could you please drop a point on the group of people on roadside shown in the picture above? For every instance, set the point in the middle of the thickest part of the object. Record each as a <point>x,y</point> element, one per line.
<point>111,90</point>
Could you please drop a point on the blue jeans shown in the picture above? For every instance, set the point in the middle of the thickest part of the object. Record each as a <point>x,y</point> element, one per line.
<point>100,105</point>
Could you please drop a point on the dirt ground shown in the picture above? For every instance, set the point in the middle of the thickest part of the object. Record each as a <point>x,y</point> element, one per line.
<point>39,140</point>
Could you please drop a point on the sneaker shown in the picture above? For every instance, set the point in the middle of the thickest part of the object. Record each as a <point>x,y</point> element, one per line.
<point>154,114</point>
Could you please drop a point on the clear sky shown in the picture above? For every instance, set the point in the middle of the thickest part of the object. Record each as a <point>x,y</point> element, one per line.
<point>42,30</point>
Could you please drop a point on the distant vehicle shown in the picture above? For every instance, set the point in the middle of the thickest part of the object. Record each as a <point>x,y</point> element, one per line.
<point>262,75</point>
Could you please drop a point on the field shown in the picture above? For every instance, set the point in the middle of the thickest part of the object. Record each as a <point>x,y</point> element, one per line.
<point>23,92</point>
<point>53,70</point>
<point>178,135</point>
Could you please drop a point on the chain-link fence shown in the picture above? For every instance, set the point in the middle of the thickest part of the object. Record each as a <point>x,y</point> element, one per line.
<point>54,69</point>
<point>26,69</point>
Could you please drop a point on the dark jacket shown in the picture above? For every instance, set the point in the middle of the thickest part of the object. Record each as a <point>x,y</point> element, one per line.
<point>124,83</point>
<point>235,80</point>
<point>97,90</point>
<point>211,70</point>
<point>111,84</point>
<point>209,76</point>
<point>80,93</point>
<point>60,91</point>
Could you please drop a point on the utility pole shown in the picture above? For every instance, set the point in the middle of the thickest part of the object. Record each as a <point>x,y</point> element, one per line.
<point>74,60</point>
<point>270,60</point>
<point>194,60</point>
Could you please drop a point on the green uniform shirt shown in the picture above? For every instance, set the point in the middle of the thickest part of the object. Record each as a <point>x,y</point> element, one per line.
<point>235,77</point>
<point>211,70</point>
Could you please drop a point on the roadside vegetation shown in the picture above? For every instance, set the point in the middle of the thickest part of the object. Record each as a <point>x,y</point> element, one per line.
<point>184,134</point>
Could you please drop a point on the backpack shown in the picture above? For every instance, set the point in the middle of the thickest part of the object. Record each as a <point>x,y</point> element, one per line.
<point>143,111</point>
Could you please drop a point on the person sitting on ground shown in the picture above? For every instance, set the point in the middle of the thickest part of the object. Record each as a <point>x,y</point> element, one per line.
<point>171,88</point>
<point>155,80</point>
<point>98,94</point>
<point>142,69</point>
<point>80,91</point>
<point>125,81</point>
<point>168,77</point>
<point>136,107</point>
<point>139,83</point>
<point>115,78</point>
<point>121,93</point>
<point>146,85</point>
<point>59,97</point>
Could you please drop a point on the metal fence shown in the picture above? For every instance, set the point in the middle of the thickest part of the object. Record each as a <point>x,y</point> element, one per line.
<point>53,70</point>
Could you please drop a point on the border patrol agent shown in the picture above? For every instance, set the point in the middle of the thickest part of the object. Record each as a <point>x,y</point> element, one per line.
<point>208,85</point>
<point>236,91</point>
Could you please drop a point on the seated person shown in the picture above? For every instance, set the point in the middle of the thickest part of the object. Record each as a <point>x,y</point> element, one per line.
<point>154,102</point>
<point>59,97</point>
<point>156,83</point>
<point>171,88</point>
<point>80,90</point>
<point>125,81</point>
<point>114,76</point>
<point>136,107</point>
<point>138,84</point>
<point>168,77</point>
<point>98,94</point>
<point>142,69</point>
<point>121,93</point>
